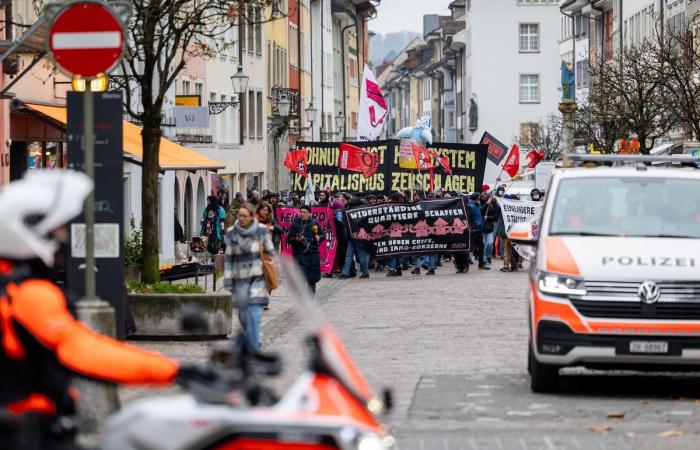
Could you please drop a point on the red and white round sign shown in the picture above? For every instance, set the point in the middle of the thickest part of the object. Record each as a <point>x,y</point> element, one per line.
<point>86,38</point>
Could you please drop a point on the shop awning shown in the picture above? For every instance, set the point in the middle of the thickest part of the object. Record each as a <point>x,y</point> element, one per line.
<point>172,156</point>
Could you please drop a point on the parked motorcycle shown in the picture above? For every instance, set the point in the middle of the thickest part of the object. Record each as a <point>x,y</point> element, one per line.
<point>227,406</point>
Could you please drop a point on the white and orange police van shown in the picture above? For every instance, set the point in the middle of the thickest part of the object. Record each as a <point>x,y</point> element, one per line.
<point>615,279</point>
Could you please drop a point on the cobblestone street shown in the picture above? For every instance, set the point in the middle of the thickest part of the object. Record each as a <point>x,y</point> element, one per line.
<point>453,349</point>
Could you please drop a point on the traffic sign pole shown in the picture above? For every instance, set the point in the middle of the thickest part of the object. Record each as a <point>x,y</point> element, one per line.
<point>89,142</point>
<point>86,39</point>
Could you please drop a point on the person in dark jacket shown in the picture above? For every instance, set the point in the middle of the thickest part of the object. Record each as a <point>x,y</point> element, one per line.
<point>305,236</point>
<point>490,212</point>
<point>477,236</point>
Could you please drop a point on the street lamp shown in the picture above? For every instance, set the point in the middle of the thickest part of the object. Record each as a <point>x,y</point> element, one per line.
<point>311,113</point>
<point>340,124</point>
<point>240,81</point>
<point>283,105</point>
<point>98,84</point>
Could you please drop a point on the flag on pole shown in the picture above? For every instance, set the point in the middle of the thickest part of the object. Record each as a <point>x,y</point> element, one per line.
<point>373,108</point>
<point>534,158</point>
<point>297,161</point>
<point>355,159</point>
<point>309,197</point>
<point>512,164</point>
<point>443,162</point>
<point>422,156</point>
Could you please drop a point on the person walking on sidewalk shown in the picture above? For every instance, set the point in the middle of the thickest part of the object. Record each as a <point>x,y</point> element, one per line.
<point>305,236</point>
<point>243,272</point>
<point>213,218</point>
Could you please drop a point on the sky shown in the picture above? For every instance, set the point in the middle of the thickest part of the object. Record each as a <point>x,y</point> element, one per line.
<point>406,15</point>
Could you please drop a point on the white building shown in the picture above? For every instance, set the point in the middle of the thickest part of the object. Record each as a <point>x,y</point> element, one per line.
<point>322,69</point>
<point>513,61</point>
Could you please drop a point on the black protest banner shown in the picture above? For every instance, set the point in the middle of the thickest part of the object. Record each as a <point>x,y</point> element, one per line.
<point>323,167</point>
<point>431,226</point>
<point>468,162</point>
<point>496,149</point>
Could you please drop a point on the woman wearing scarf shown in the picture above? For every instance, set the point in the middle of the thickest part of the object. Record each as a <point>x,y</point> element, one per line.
<point>243,273</point>
<point>305,236</point>
<point>212,222</point>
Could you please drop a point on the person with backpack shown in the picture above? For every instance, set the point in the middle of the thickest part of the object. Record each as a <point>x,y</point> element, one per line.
<point>213,218</point>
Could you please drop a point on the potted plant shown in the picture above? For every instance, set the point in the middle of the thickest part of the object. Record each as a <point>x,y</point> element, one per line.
<point>133,252</point>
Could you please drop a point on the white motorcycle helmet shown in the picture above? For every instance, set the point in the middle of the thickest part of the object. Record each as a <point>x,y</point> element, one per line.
<point>32,207</point>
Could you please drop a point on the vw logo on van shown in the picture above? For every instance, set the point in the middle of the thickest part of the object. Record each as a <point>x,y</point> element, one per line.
<point>649,292</point>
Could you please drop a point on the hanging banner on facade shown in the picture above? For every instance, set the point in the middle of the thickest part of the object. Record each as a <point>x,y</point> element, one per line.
<point>324,216</point>
<point>468,162</point>
<point>515,211</point>
<point>431,226</point>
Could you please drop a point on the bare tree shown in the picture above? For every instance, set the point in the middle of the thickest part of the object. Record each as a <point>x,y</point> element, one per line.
<point>678,53</point>
<point>593,126</point>
<point>162,36</point>
<point>548,137</point>
<point>628,91</point>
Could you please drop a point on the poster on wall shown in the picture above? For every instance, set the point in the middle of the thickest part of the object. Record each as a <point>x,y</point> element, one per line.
<point>324,216</point>
<point>468,162</point>
<point>430,226</point>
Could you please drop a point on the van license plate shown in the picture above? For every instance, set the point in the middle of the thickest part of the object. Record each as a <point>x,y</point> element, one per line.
<point>648,347</point>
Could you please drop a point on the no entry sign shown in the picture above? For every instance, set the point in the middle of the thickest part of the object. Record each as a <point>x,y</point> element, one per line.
<point>86,38</point>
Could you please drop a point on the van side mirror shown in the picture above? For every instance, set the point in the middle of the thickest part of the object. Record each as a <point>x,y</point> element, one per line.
<point>521,234</point>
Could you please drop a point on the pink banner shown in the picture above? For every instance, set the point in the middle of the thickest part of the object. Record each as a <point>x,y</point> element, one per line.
<point>324,216</point>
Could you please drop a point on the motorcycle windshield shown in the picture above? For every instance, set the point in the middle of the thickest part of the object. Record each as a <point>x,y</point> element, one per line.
<point>332,353</point>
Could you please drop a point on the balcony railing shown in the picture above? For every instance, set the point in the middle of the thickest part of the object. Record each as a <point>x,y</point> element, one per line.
<point>194,138</point>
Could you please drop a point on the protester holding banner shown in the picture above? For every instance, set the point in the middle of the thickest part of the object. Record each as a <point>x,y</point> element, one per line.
<point>305,237</point>
<point>341,237</point>
<point>355,249</point>
<point>491,213</point>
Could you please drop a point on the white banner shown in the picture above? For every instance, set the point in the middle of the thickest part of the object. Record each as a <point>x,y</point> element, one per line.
<point>191,116</point>
<point>515,211</point>
<point>373,108</point>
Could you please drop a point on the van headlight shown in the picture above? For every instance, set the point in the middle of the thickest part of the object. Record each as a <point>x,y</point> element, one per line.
<point>554,284</point>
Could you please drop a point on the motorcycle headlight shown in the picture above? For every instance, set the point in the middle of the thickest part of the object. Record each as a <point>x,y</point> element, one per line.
<point>553,284</point>
<point>371,441</point>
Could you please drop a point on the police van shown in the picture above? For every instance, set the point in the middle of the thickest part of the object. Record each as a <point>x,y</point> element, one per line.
<point>615,278</point>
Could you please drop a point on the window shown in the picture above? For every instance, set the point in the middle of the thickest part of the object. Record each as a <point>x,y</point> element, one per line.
<point>529,88</point>
<point>251,114</point>
<point>258,31</point>
<point>185,87</point>
<point>352,69</point>
<point>293,45</point>
<point>583,75</point>
<point>225,122</point>
<point>214,119</point>
<point>242,110</point>
<point>528,134</point>
<point>260,113</point>
<point>242,31</point>
<point>251,29</point>
<point>529,37</point>
<point>427,89</point>
<point>198,89</point>
<point>353,120</point>
<point>581,26</point>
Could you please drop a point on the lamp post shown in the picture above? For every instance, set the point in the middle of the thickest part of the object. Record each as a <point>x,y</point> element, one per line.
<point>311,113</point>
<point>240,86</point>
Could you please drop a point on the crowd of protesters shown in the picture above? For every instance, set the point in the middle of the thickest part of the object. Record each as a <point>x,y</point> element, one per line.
<point>488,235</point>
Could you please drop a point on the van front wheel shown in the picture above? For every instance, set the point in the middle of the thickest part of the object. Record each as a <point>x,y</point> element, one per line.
<point>544,378</point>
